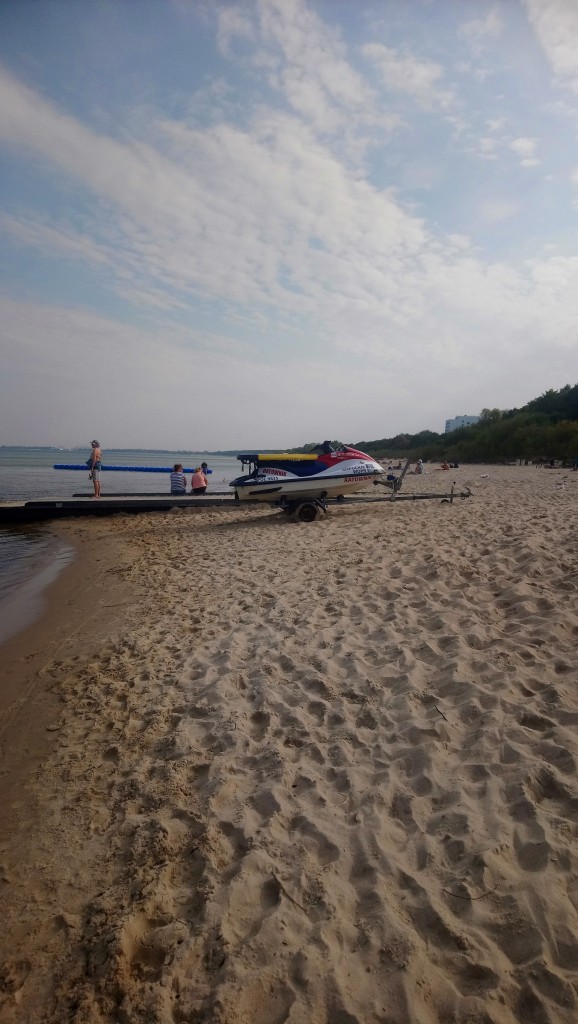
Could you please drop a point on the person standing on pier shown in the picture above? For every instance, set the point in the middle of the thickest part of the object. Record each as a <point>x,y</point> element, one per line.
<point>95,466</point>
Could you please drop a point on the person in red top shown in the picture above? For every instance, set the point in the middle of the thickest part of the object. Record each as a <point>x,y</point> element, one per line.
<point>199,482</point>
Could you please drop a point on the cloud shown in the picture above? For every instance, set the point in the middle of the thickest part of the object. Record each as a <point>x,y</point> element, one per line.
<point>233,23</point>
<point>304,59</point>
<point>269,225</point>
<point>92,368</point>
<point>487,147</point>
<point>555,23</point>
<point>266,220</point>
<point>43,237</point>
<point>460,241</point>
<point>407,74</point>
<point>525,149</point>
<point>493,145</point>
<point>495,210</point>
<point>309,45</point>
<point>479,30</point>
<point>574,181</point>
<point>199,390</point>
<point>226,212</point>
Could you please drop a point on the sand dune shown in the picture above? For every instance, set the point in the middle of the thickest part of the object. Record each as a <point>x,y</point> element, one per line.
<point>320,774</point>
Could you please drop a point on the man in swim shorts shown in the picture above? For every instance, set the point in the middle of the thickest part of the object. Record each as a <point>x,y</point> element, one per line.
<point>95,467</point>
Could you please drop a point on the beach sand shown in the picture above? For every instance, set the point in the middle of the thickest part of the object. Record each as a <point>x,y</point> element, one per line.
<point>263,772</point>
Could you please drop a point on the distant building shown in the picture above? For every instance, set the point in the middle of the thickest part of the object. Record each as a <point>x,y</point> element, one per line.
<point>460,421</point>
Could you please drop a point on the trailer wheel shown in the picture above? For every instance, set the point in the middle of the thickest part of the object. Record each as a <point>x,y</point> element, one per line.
<point>306,512</point>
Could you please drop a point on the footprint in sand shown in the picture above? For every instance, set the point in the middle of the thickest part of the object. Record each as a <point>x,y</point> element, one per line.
<point>326,852</point>
<point>318,709</point>
<point>148,945</point>
<point>531,855</point>
<point>261,721</point>
<point>559,757</point>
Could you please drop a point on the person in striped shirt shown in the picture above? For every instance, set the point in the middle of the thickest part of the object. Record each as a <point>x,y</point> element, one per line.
<point>178,480</point>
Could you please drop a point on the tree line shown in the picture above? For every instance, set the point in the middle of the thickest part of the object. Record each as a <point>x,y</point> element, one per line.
<point>545,428</point>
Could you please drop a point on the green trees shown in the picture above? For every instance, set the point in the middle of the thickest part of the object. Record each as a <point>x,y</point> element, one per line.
<point>490,415</point>
<point>547,427</point>
<point>558,405</point>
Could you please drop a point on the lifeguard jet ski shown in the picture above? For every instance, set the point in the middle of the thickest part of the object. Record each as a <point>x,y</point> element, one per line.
<point>283,477</point>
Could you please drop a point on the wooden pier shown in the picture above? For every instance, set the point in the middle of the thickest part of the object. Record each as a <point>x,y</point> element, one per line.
<point>59,508</point>
<point>86,505</point>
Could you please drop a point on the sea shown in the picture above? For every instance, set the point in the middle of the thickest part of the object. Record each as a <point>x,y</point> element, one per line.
<point>31,556</point>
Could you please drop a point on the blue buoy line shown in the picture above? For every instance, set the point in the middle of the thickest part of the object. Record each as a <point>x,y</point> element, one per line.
<point>129,469</point>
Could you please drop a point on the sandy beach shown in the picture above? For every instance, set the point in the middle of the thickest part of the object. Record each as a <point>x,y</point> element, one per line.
<point>259,772</point>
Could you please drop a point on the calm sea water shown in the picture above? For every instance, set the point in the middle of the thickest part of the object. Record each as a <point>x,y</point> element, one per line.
<point>27,473</point>
<point>30,556</point>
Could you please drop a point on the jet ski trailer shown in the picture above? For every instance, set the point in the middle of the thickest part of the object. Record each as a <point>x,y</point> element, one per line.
<point>301,483</point>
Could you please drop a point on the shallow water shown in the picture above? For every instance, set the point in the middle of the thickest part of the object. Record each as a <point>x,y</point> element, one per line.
<point>33,566</point>
<point>23,549</point>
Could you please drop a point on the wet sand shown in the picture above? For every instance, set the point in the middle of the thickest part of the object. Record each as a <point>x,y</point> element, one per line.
<point>260,771</point>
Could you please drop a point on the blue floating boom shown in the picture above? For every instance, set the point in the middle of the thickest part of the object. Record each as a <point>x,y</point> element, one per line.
<point>129,469</point>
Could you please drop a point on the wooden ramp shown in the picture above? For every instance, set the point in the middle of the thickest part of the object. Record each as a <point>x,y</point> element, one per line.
<point>58,508</point>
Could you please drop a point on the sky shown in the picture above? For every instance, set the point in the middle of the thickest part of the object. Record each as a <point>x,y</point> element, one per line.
<point>267,223</point>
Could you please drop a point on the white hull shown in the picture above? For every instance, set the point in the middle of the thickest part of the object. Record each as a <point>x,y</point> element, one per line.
<point>306,487</point>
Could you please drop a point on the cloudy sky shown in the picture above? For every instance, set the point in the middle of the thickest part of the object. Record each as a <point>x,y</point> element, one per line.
<point>269,222</point>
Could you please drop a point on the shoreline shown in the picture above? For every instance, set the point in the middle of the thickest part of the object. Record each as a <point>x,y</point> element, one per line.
<point>24,603</point>
<point>322,772</point>
<point>31,715</point>
<point>59,593</point>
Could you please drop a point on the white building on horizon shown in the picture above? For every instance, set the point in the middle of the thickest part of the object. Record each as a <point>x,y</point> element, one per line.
<point>460,421</point>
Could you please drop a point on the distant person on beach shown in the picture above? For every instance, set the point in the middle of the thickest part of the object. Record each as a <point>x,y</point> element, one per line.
<point>204,468</point>
<point>419,466</point>
<point>445,465</point>
<point>199,482</point>
<point>95,465</point>
<point>178,480</point>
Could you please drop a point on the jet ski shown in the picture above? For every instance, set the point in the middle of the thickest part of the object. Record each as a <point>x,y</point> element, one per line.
<point>325,472</point>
